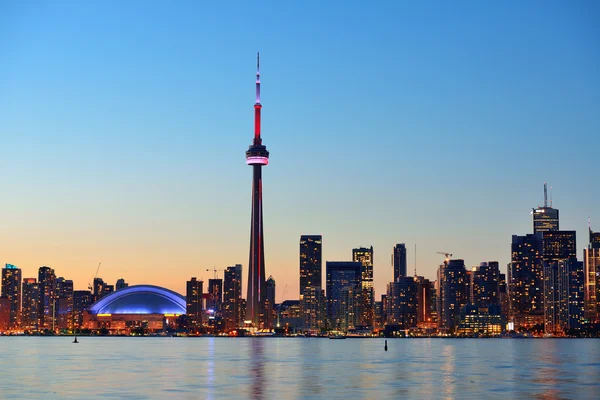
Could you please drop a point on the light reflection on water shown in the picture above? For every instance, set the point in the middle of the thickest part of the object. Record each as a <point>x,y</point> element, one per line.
<point>295,368</point>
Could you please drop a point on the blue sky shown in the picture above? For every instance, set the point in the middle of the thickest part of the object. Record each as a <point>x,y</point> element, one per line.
<point>123,127</point>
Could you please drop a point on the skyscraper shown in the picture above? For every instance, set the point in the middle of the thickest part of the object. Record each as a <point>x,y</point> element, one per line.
<point>31,304</point>
<point>256,156</point>
<point>399,260</point>
<point>591,259</point>
<point>559,245</point>
<point>233,307</point>
<point>402,302</point>
<point>121,284</point>
<point>343,292</point>
<point>485,282</point>
<point>82,299</point>
<point>525,281</point>
<point>64,303</point>
<point>215,289</point>
<point>193,299</point>
<point>545,218</point>
<point>47,310</point>
<point>364,256</point>
<point>563,295</point>
<point>11,289</point>
<point>310,279</point>
<point>452,293</point>
<point>270,302</point>
<point>425,303</point>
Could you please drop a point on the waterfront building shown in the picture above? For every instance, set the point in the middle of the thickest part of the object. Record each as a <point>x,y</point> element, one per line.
<point>452,293</point>
<point>525,281</point>
<point>563,295</point>
<point>343,292</point>
<point>47,310</point>
<point>215,289</point>
<point>64,303</point>
<point>399,260</point>
<point>82,299</point>
<point>4,313</point>
<point>480,320</point>
<point>233,307</point>
<point>31,304</point>
<point>311,280</point>
<point>11,289</point>
<point>193,299</point>
<point>591,259</point>
<point>270,302</point>
<point>139,307</point>
<point>402,302</point>
<point>485,280</point>
<point>425,303</point>
<point>366,302</point>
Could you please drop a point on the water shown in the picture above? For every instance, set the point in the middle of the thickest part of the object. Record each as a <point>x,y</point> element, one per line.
<point>295,368</point>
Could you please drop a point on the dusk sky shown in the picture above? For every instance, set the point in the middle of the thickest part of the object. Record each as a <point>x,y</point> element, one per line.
<point>123,127</point>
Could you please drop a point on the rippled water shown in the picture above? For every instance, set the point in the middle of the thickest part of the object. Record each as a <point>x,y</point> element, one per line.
<point>289,368</point>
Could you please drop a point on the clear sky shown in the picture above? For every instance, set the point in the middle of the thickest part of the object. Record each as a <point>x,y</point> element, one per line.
<point>123,127</point>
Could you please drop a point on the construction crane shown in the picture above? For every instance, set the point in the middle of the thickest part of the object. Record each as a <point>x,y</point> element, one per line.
<point>448,255</point>
<point>216,272</point>
<point>90,287</point>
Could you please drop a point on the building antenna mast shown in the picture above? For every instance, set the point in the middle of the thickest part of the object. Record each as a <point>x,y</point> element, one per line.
<point>545,195</point>
<point>415,259</point>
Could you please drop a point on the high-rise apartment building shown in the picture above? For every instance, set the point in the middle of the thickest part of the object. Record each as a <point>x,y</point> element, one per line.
<point>311,280</point>
<point>525,280</point>
<point>64,303</point>
<point>233,304</point>
<point>485,281</point>
<point>193,298</point>
<point>31,304</point>
<point>11,289</point>
<point>402,302</point>
<point>452,293</point>
<point>591,259</point>
<point>563,295</point>
<point>270,302</point>
<point>121,284</point>
<point>399,260</point>
<point>47,310</point>
<point>426,306</point>
<point>215,290</point>
<point>343,292</point>
<point>366,310</point>
<point>82,299</point>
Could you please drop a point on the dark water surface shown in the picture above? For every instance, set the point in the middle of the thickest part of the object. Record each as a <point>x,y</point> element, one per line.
<point>292,368</point>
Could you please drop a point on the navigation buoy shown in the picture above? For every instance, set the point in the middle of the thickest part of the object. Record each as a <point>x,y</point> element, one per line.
<point>75,341</point>
<point>385,347</point>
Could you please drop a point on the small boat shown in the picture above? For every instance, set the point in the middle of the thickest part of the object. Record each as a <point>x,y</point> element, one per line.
<point>75,340</point>
<point>337,336</point>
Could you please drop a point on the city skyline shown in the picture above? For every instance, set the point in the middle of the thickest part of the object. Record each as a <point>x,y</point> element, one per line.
<point>104,176</point>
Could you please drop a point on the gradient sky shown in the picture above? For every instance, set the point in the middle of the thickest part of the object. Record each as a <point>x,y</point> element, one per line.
<point>123,127</point>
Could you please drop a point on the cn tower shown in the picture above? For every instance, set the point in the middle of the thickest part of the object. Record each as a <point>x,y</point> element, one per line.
<point>256,156</point>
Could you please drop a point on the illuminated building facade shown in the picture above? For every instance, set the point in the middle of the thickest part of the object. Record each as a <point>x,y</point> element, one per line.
<point>64,303</point>
<point>257,156</point>
<point>525,281</point>
<point>452,293</point>
<point>82,299</point>
<point>4,314</point>
<point>485,281</point>
<point>233,307</point>
<point>591,259</point>
<point>425,303</point>
<point>480,320</point>
<point>343,292</point>
<point>402,302</point>
<point>366,310</point>
<point>215,289</point>
<point>147,307</point>
<point>31,304</point>
<point>270,302</point>
<point>563,295</point>
<point>11,289</point>
<point>311,279</point>
<point>399,260</point>
<point>47,305</point>
<point>193,299</point>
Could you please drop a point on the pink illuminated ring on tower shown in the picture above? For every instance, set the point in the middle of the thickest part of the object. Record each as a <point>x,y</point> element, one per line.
<point>257,160</point>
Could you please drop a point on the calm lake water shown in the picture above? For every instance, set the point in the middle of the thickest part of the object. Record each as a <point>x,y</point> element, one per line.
<point>292,368</point>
